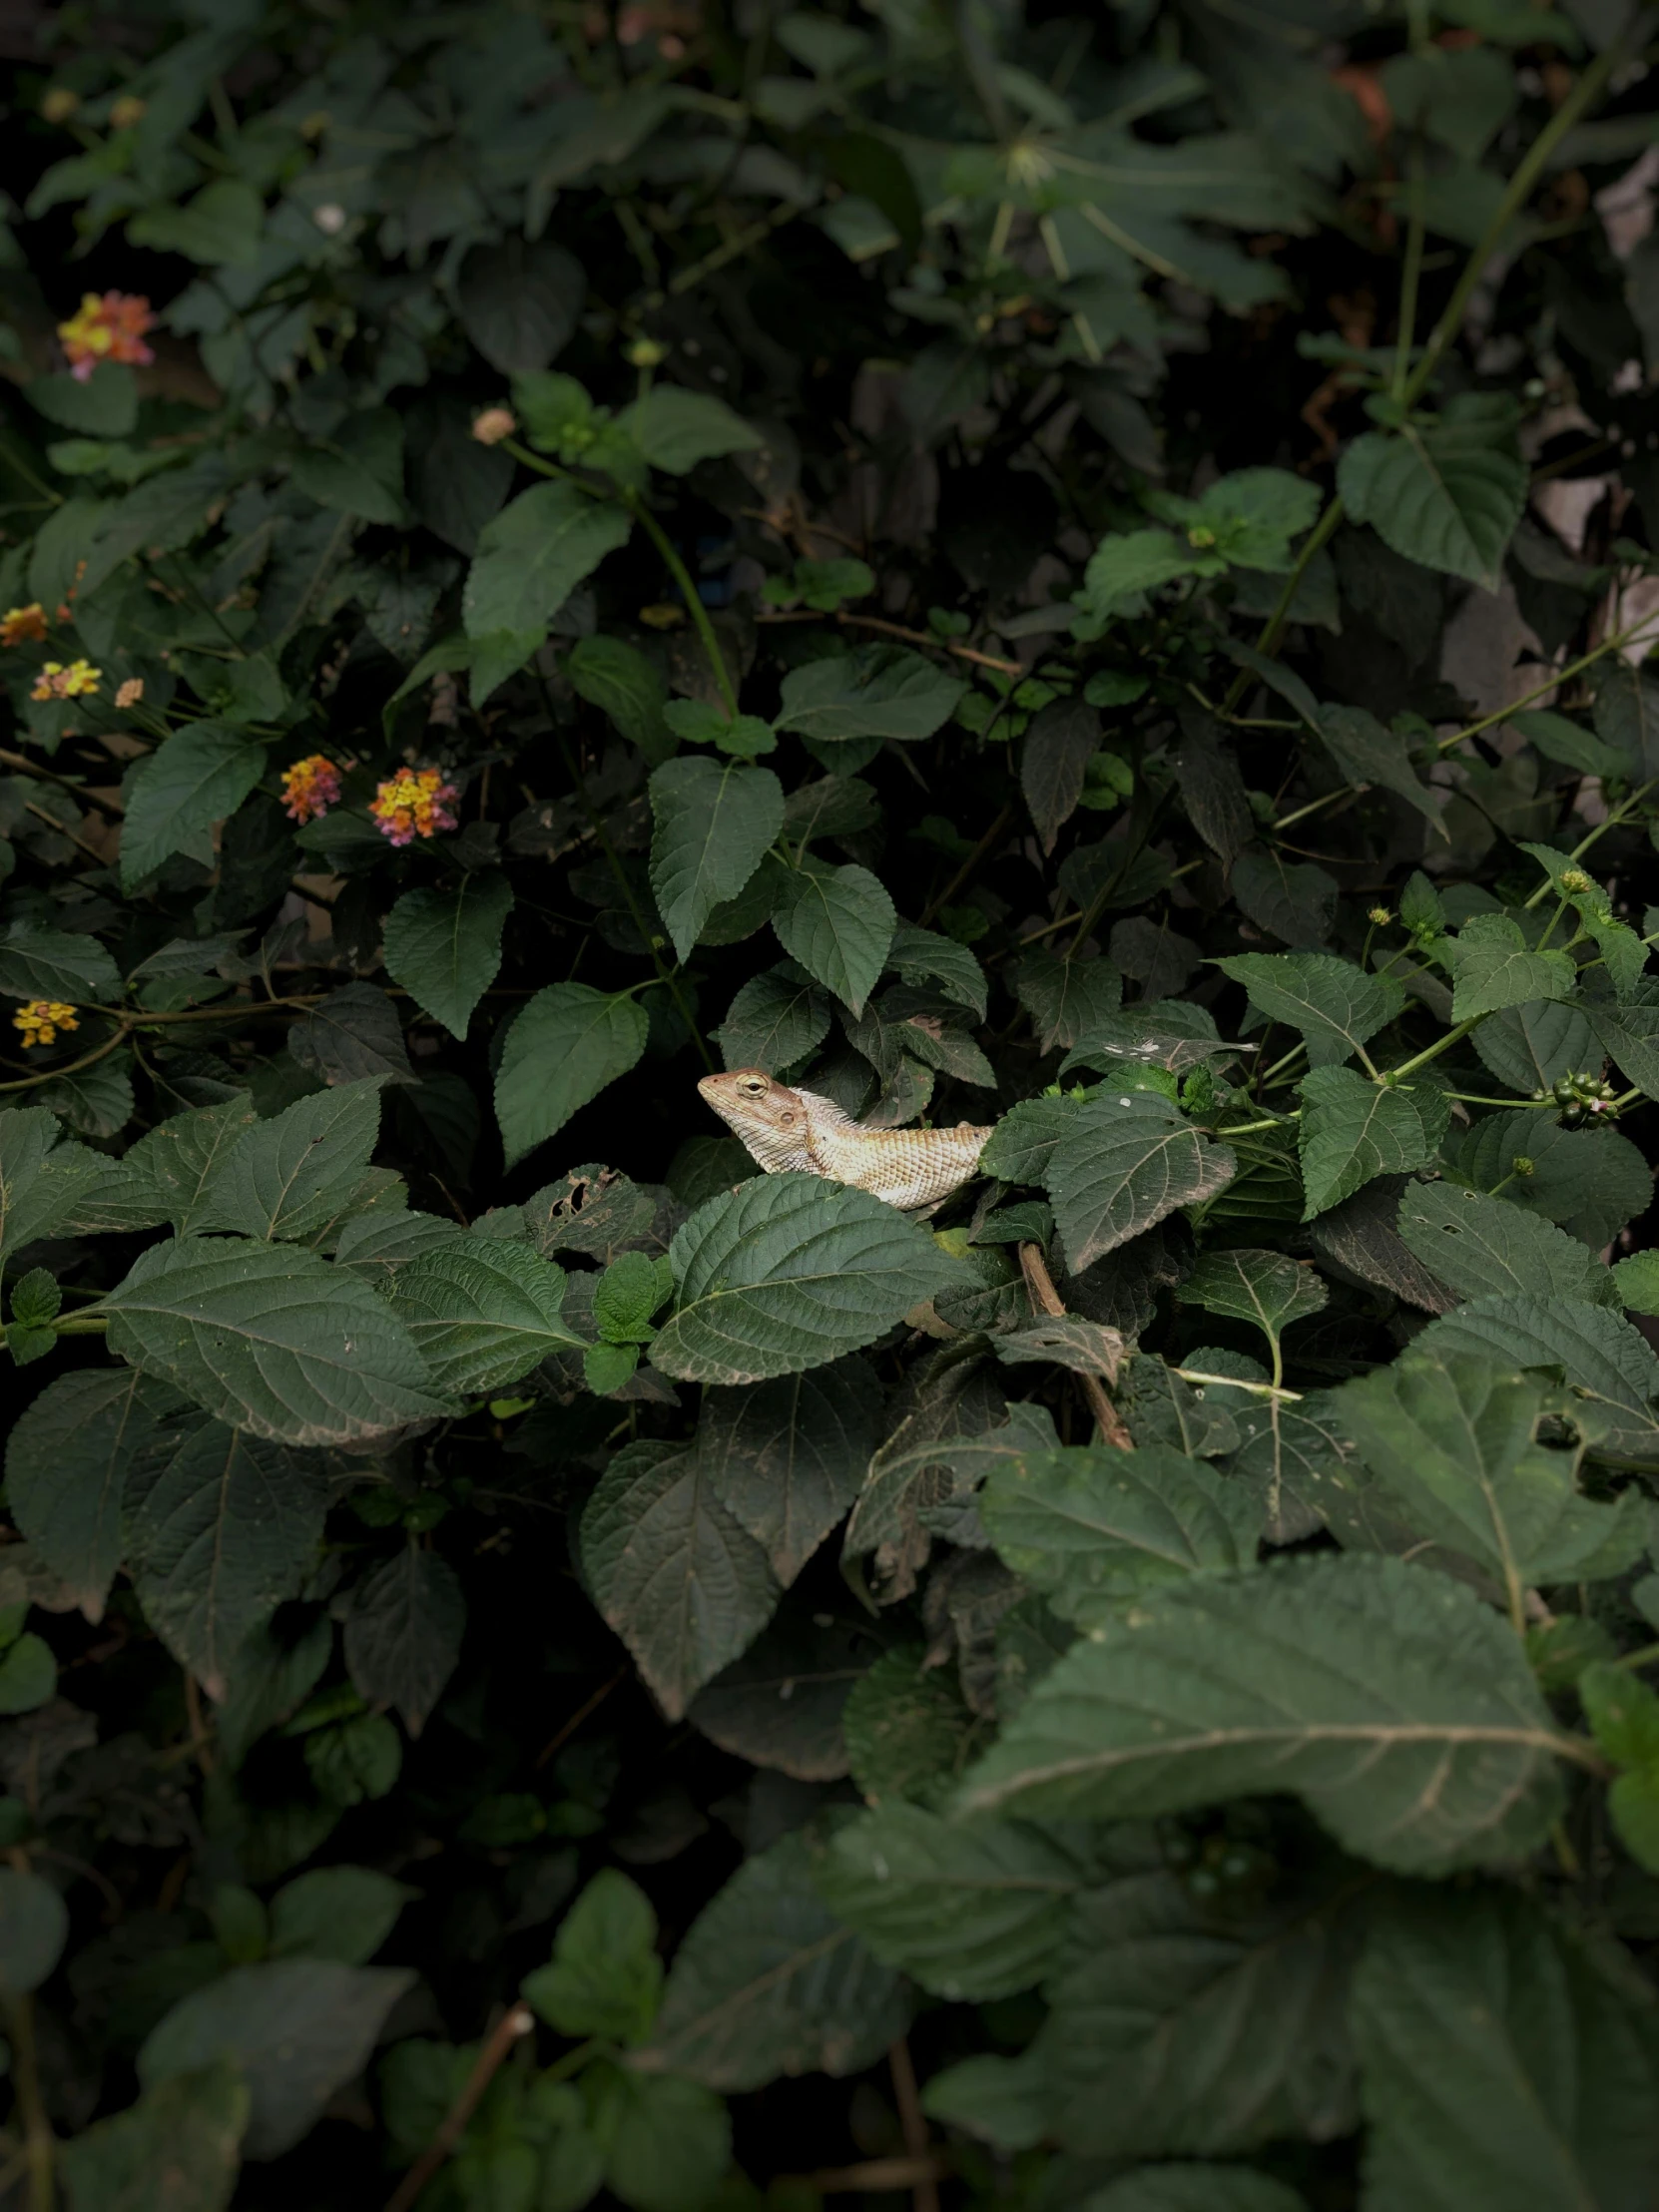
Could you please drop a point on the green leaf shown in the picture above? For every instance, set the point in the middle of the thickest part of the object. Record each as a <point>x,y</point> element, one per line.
<point>358,471</point>
<point>618,678</point>
<point>403,1633</point>
<point>1479,1244</point>
<point>37,962</point>
<point>174,1167</point>
<point>972,1910</point>
<point>628,1294</point>
<point>1463,2005</point>
<point>222,1528</point>
<point>221,226</point>
<point>769,1983</point>
<point>1388,1697</point>
<point>1352,1130</point>
<point>1206,2188</point>
<point>297,2030</point>
<point>668,2140</point>
<point>1592,1181</point>
<point>1492,968</point>
<point>270,1339</point>
<point>1062,739</point>
<point>343,1913</point>
<point>675,428</point>
<point>1636,1279</point>
<point>1068,1000</point>
<point>787,1458</point>
<point>1367,753</point>
<point>605,1977</point>
<point>681,1584</point>
<point>788,1273</point>
<point>714,820</point>
<point>838,925</point>
<point>1446,493</point>
<point>293,1178</point>
<point>1604,1360</point>
<point>1452,1439</point>
<point>177,2149</point>
<point>1267,1288</point>
<point>908,1731</point>
<point>1123,1163</point>
<point>1174,2027</point>
<point>563,1048</point>
<point>67,1463</point>
<point>775,1019</point>
<point>34,1925</point>
<point>198,776</point>
<point>352,1034</point>
<point>921,956</point>
<point>482,1311</point>
<point>1628,1033</point>
<point>880,692</point>
<point>444,946</point>
<point>520,302</point>
<point>1093,1529</point>
<point>1333,1005</point>
<point>534,553</point>
<point>43,1182</point>
<point>1123,569</point>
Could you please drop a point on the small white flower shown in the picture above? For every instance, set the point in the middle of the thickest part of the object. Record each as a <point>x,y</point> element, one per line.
<point>329,219</point>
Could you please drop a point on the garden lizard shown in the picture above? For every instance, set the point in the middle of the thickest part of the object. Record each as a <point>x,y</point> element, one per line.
<point>787,1129</point>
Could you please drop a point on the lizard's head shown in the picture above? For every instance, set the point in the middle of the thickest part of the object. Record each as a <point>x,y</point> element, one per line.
<point>749,1098</point>
<point>765,1115</point>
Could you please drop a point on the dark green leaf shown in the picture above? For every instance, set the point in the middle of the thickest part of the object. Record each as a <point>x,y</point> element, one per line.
<point>444,946</point>
<point>563,1048</point>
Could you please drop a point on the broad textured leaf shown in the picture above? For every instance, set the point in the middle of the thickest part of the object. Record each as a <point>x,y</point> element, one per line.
<point>519,302</point>
<point>444,946</point>
<point>1491,968</point>
<point>1369,754</point>
<point>921,956</point>
<point>675,428</point>
<point>972,1910</point>
<point>684,1585</point>
<point>1352,1130</point>
<point>1480,1244</point>
<point>1502,2064</point>
<point>714,820</point>
<point>605,1977</point>
<point>177,2149</point>
<point>775,1020</point>
<point>37,962</point>
<point>222,1529</point>
<point>1451,1437</point>
<point>534,553</point>
<point>780,1704</point>
<point>787,1458</point>
<point>403,1633</point>
<point>200,775</point>
<point>43,1181</point>
<point>839,927</point>
<point>1290,899</point>
<point>1605,1360</point>
<point>789,1272</point>
<point>177,1164</point>
<point>617,677</point>
<point>298,2030</point>
<point>1092,1529</point>
<point>1066,999</point>
<point>1336,1006</point>
<point>1124,1163</point>
<point>1062,739</point>
<point>351,1036</point>
<point>1267,1288</point>
<point>34,1925</point>
<point>1448,494</point>
<point>343,1913</point>
<point>770,1982</point>
<point>883,693</point>
<point>294,1178</point>
<point>1592,1181</point>
<point>482,1311</point>
<point>271,1340</point>
<point>1173,2027</point>
<point>563,1048</point>
<point>1530,1047</point>
<point>1388,1697</point>
<point>67,1463</point>
<point>1629,1034</point>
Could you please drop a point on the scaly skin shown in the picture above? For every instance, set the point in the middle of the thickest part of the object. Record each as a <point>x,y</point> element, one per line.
<point>786,1129</point>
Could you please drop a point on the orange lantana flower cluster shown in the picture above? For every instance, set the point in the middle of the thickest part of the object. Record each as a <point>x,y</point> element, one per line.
<point>23,625</point>
<point>311,787</point>
<point>416,803</point>
<point>41,1019</point>
<point>110,328</point>
<point>76,680</point>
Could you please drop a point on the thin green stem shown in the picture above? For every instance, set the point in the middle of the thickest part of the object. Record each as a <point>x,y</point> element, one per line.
<point>1583,96</point>
<point>694,605</point>
<point>1433,1051</point>
<point>1274,628</point>
<point>1553,682</point>
<point>1411,270</point>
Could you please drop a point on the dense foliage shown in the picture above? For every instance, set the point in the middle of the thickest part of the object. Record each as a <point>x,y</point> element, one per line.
<point>1080,573</point>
